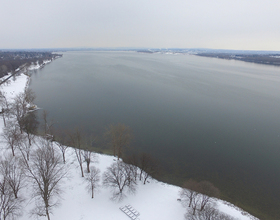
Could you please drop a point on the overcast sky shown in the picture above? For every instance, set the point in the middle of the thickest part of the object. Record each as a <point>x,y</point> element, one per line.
<point>217,24</point>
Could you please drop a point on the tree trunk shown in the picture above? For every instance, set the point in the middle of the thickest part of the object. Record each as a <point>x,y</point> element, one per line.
<point>13,151</point>
<point>29,140</point>
<point>140,176</point>
<point>202,206</point>
<point>145,179</point>
<point>47,213</point>
<point>81,166</point>
<point>4,118</point>
<point>193,211</point>
<point>63,156</point>
<point>190,202</point>
<point>88,170</point>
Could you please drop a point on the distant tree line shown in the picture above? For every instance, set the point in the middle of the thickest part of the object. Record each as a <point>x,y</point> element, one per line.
<point>269,59</point>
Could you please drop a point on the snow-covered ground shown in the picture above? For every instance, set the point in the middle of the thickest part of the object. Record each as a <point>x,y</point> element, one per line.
<point>38,66</point>
<point>155,200</point>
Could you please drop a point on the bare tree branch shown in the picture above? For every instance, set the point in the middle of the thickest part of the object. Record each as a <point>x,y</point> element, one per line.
<point>198,195</point>
<point>147,165</point>
<point>133,161</point>
<point>12,136</point>
<point>13,172</point>
<point>5,106</point>
<point>119,178</point>
<point>189,192</point>
<point>30,126</point>
<point>25,147</point>
<point>62,142</point>
<point>76,140</point>
<point>120,136</point>
<point>9,205</point>
<point>48,126</point>
<point>46,170</point>
<point>10,183</point>
<point>93,179</point>
<point>208,192</point>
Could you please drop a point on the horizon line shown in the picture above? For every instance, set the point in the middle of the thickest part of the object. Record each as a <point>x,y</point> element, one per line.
<point>129,48</point>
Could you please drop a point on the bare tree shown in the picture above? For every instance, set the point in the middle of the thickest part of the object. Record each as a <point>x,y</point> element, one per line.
<point>87,158</point>
<point>130,175</point>
<point>12,136</point>
<point>147,165</point>
<point>30,126</point>
<point>189,192</point>
<point>118,177</point>
<point>21,106</point>
<point>5,106</point>
<point>48,126</point>
<point>208,191</point>
<point>10,207</point>
<point>20,109</point>
<point>76,140</point>
<point>198,194</point>
<point>63,149</point>
<point>209,213</point>
<point>87,154</point>
<point>93,178</point>
<point>29,95</point>
<point>62,142</point>
<point>11,169</point>
<point>120,136</point>
<point>46,170</point>
<point>133,161</point>
<point>25,147</point>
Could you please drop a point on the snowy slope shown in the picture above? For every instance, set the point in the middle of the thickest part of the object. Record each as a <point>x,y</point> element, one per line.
<point>155,200</point>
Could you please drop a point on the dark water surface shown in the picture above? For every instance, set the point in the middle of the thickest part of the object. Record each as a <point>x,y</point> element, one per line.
<point>206,118</point>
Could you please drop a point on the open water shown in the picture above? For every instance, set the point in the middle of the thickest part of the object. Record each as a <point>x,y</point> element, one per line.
<point>201,117</point>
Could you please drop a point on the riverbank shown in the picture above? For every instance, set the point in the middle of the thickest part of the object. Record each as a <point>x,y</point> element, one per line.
<point>12,62</point>
<point>24,69</point>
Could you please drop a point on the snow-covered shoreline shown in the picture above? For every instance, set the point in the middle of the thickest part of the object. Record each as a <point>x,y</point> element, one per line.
<point>154,200</point>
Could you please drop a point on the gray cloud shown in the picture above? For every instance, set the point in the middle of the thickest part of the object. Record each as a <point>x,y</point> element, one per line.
<point>231,24</point>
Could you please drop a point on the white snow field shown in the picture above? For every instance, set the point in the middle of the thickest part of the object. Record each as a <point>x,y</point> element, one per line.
<point>154,201</point>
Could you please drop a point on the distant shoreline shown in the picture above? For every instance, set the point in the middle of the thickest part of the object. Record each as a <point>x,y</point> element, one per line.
<point>267,59</point>
<point>258,58</point>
